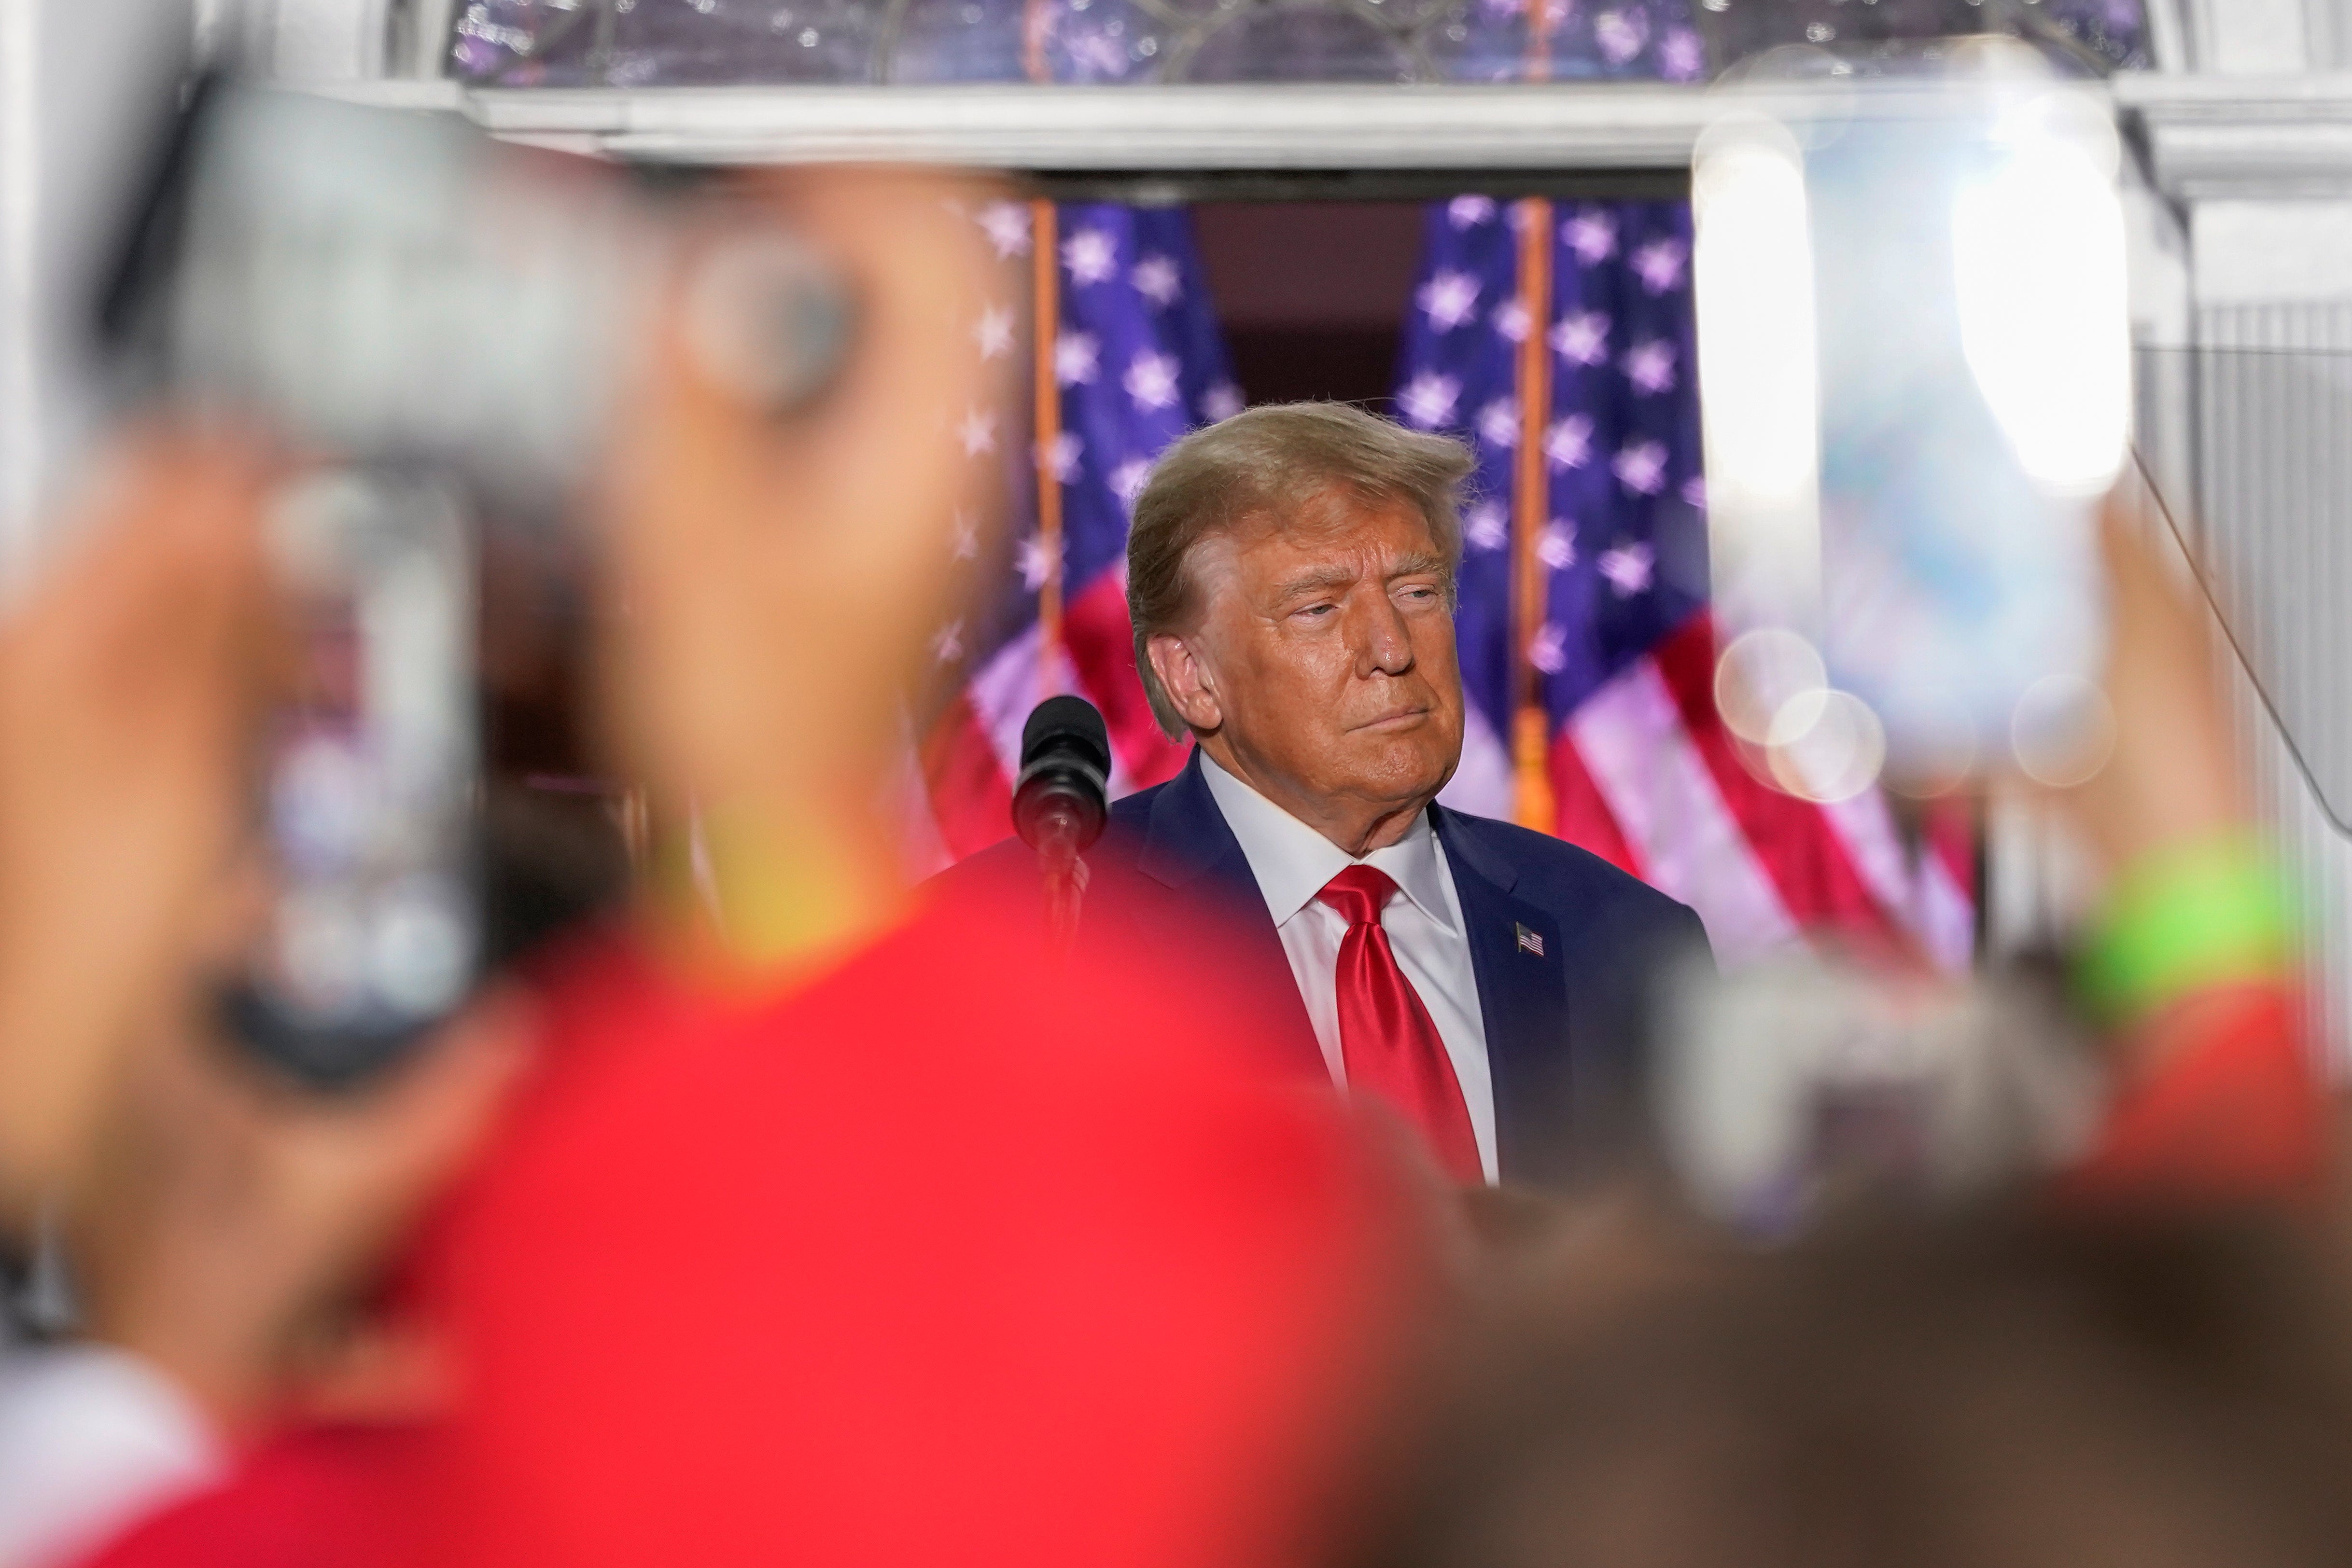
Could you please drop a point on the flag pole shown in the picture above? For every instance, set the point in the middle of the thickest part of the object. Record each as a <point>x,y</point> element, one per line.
<point>1047,312</point>
<point>1532,802</point>
<point>1045,327</point>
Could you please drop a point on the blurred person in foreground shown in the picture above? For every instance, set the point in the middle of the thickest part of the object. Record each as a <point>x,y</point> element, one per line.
<point>2006,1391</point>
<point>131,670</point>
<point>838,1225</point>
<point>2145,1361</point>
<point>1290,576</point>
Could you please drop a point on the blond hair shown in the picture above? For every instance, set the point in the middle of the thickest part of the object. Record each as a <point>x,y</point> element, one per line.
<point>1268,462</point>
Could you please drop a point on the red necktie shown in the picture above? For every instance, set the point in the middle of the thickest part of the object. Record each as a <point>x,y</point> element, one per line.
<point>1390,1043</point>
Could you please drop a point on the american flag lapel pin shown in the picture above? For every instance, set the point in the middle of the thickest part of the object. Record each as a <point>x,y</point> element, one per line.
<point>1529,942</point>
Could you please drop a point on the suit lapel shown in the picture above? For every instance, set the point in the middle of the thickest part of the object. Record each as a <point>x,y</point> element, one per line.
<point>1188,839</point>
<point>1516,954</point>
<point>1188,847</point>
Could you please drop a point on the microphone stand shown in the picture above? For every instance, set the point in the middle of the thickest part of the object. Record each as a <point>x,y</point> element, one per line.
<point>1060,803</point>
<point>1060,832</point>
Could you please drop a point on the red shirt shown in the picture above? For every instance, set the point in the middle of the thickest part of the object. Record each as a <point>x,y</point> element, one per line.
<point>954,1256</point>
<point>2233,1111</point>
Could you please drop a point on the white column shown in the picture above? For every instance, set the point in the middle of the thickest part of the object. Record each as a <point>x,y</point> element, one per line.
<point>21,425</point>
<point>83,84</point>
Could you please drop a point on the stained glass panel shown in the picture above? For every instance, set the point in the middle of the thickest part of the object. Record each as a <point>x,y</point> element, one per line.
<point>643,43</point>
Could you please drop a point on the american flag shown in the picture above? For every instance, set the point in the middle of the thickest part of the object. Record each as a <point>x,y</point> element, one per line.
<point>1591,702</point>
<point>1556,340</point>
<point>1132,359</point>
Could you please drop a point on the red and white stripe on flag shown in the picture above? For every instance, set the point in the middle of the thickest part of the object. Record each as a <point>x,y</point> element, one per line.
<point>1646,776</point>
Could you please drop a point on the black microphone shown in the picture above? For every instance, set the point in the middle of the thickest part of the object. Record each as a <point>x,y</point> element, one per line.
<point>1061,801</point>
<point>1063,797</point>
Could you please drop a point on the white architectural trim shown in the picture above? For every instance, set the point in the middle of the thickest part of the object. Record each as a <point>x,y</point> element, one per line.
<point>22,401</point>
<point>2243,137</point>
<point>1615,126</point>
<point>2205,136</point>
<point>1631,126</point>
<point>2170,42</point>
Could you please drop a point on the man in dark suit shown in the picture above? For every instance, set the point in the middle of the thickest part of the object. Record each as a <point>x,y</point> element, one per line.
<point>1290,576</point>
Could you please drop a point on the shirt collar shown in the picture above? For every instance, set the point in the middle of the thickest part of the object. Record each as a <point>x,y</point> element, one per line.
<point>1292,861</point>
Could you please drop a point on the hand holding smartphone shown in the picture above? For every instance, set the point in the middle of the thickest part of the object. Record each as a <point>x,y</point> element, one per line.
<point>1916,381</point>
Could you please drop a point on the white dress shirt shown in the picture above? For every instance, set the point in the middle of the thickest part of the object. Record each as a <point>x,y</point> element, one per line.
<point>1292,863</point>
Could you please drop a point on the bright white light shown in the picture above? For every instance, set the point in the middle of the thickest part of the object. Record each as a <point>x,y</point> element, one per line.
<point>1826,745</point>
<point>1760,675</point>
<point>1759,385</point>
<point>1754,277</point>
<point>2038,265</point>
<point>2062,731</point>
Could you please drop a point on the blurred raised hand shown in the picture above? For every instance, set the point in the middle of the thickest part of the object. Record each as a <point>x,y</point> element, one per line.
<point>2173,775</point>
<point>128,679</point>
<point>214,1218</point>
<point>228,1225</point>
<point>773,582</point>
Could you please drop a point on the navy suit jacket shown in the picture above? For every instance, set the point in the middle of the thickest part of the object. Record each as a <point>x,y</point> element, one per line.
<point>1569,953</point>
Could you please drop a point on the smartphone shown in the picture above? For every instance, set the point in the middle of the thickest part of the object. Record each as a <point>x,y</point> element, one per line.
<point>1916,386</point>
<point>369,781</point>
<point>454,322</point>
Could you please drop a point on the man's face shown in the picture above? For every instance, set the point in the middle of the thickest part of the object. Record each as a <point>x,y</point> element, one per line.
<point>1325,664</point>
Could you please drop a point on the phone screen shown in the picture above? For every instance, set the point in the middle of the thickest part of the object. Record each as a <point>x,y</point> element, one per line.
<point>368,782</point>
<point>1914,366</point>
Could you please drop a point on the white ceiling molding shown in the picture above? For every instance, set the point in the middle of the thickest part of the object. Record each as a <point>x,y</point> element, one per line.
<point>1129,128</point>
<point>2243,137</point>
<point>2253,36</point>
<point>2206,136</point>
<point>1571,127</point>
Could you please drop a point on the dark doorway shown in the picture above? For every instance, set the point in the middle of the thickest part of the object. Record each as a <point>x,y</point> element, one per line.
<point>1311,294</point>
